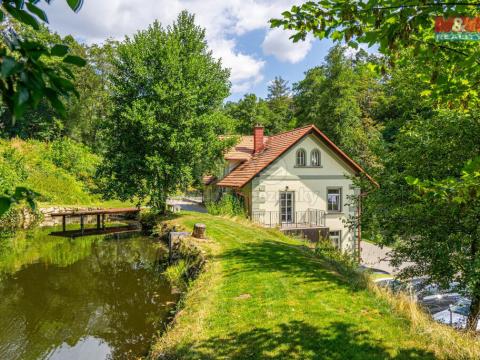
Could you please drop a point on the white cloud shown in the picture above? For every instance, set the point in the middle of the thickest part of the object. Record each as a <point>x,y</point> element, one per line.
<point>224,21</point>
<point>278,44</point>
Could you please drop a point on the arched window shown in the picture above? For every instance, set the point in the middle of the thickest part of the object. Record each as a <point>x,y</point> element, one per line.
<point>301,158</point>
<point>315,158</point>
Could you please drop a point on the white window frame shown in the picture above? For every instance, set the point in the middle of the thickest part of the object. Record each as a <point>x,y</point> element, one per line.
<point>303,156</point>
<point>340,202</point>
<point>292,207</point>
<point>335,237</point>
<point>315,152</point>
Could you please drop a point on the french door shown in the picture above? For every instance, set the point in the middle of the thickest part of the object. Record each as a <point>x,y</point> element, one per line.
<point>286,207</point>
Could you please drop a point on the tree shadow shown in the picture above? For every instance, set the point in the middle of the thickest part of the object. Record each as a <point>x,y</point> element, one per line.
<point>298,340</point>
<point>276,256</point>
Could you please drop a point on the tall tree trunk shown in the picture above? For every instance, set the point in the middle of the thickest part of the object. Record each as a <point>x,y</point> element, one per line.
<point>472,320</point>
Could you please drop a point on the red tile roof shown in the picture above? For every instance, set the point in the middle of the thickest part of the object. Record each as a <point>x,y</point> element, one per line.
<point>208,179</point>
<point>275,146</point>
<point>243,150</point>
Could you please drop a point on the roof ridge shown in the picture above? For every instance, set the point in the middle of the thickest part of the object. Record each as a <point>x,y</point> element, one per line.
<point>290,131</point>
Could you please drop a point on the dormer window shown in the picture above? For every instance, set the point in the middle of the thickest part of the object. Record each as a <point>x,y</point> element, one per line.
<point>315,158</point>
<point>301,158</point>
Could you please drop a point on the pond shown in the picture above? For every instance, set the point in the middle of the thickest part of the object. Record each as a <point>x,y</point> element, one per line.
<point>87,298</point>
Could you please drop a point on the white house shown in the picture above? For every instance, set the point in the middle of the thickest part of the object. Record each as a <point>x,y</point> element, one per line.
<point>296,180</point>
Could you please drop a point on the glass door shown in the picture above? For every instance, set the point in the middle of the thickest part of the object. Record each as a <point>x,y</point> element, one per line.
<point>286,207</point>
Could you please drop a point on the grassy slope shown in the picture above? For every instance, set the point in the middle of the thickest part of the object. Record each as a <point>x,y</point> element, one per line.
<point>56,185</point>
<point>296,307</point>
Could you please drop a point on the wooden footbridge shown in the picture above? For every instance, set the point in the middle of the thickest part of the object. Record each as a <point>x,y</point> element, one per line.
<point>100,228</point>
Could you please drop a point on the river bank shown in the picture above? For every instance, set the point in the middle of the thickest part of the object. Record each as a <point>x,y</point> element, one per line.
<point>261,295</point>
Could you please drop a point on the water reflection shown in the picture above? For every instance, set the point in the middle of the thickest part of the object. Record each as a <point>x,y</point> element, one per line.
<point>86,298</point>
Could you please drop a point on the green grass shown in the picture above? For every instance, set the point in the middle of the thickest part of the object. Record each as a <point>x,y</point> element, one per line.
<point>62,172</point>
<point>264,296</point>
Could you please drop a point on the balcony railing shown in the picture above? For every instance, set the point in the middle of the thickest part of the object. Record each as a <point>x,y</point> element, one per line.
<point>310,218</point>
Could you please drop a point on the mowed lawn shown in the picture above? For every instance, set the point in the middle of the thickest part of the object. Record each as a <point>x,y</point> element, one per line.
<point>264,296</point>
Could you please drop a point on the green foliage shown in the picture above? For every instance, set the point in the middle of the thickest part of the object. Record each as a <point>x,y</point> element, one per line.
<point>449,69</point>
<point>61,172</point>
<point>345,263</point>
<point>275,113</point>
<point>432,229</point>
<point>456,246</point>
<point>75,158</point>
<point>340,98</point>
<point>176,274</point>
<point>248,112</point>
<point>163,133</point>
<point>229,205</point>
<point>26,75</point>
<point>280,103</point>
<point>18,196</point>
<point>83,114</point>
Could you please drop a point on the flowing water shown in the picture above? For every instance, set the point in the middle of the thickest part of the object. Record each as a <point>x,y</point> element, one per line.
<point>87,298</point>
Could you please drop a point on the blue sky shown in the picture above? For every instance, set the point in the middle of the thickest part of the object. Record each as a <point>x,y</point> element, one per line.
<point>251,43</point>
<point>237,31</point>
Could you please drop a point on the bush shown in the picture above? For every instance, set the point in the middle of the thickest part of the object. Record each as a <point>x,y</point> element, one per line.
<point>12,169</point>
<point>61,172</point>
<point>344,263</point>
<point>228,205</point>
<point>75,158</point>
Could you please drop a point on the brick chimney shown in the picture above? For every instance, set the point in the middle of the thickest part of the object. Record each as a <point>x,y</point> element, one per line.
<point>257,139</point>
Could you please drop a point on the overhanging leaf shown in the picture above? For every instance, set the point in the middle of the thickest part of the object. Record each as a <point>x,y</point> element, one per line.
<point>75,5</point>
<point>59,50</point>
<point>37,11</point>
<point>75,60</point>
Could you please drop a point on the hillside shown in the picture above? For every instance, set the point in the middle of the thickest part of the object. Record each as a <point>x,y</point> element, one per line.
<point>265,296</point>
<point>61,171</point>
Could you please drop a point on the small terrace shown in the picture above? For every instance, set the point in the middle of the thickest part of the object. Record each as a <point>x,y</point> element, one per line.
<point>307,219</point>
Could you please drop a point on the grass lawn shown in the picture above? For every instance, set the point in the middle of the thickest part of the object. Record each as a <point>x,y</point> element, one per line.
<point>263,296</point>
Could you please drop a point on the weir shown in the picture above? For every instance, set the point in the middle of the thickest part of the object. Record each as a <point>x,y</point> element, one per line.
<point>100,229</point>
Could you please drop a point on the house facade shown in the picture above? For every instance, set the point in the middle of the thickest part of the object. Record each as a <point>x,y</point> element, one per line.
<point>296,181</point>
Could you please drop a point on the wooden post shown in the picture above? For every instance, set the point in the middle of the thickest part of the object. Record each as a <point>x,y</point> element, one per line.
<point>199,231</point>
<point>98,221</point>
<point>103,221</point>
<point>64,223</point>
<point>170,248</point>
<point>81,224</point>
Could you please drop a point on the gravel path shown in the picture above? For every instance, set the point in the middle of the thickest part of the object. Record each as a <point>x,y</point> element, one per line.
<point>188,205</point>
<point>377,258</point>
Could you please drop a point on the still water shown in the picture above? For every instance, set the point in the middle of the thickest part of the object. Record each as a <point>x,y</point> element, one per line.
<point>89,298</point>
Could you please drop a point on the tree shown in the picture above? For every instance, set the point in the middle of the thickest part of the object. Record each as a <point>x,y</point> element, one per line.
<point>80,118</point>
<point>26,76</point>
<point>280,103</point>
<point>167,90</point>
<point>434,230</point>
<point>338,98</point>
<point>248,112</point>
<point>450,69</point>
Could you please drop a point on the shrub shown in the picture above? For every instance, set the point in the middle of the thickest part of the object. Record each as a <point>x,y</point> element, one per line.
<point>344,263</point>
<point>12,169</point>
<point>229,204</point>
<point>75,158</point>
